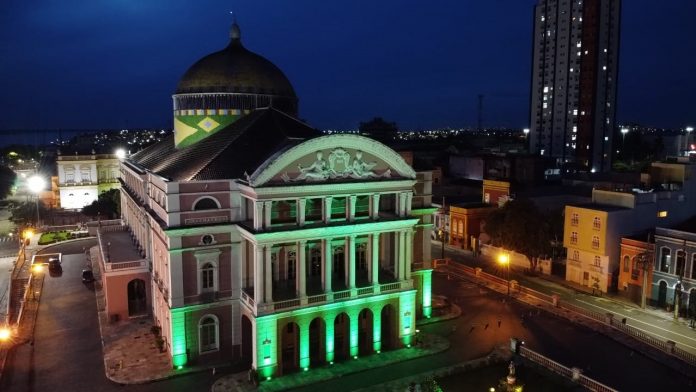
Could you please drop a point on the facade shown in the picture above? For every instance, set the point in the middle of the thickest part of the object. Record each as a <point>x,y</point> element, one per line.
<point>466,220</point>
<point>593,231</point>
<point>266,240</point>
<point>82,178</point>
<point>635,271</point>
<point>675,268</point>
<point>574,81</point>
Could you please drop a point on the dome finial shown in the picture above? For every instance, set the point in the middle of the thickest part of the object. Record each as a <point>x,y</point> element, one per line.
<point>235,34</point>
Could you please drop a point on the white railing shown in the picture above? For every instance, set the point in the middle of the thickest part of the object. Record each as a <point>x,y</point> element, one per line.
<point>572,374</point>
<point>110,267</point>
<point>319,299</point>
<point>208,219</point>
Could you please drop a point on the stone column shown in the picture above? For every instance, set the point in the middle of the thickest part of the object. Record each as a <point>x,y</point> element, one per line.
<point>268,282</point>
<point>409,202</point>
<point>301,204</point>
<point>350,253</point>
<point>351,207</point>
<point>327,209</point>
<point>374,207</point>
<point>326,261</point>
<point>408,244</point>
<point>267,207</point>
<point>401,204</point>
<point>301,268</point>
<point>258,273</point>
<point>400,250</point>
<point>374,253</point>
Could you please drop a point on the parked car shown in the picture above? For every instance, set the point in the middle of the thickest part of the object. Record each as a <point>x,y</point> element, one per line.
<point>87,276</point>
<point>54,264</point>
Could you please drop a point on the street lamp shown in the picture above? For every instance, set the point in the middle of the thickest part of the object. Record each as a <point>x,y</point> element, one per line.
<point>120,153</point>
<point>504,260</point>
<point>36,185</point>
<point>688,133</point>
<point>5,334</point>
<point>624,131</point>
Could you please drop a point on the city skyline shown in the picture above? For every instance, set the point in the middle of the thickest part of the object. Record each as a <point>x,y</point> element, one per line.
<point>116,65</point>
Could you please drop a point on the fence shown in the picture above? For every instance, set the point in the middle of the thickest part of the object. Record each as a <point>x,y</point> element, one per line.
<point>460,270</point>
<point>573,374</point>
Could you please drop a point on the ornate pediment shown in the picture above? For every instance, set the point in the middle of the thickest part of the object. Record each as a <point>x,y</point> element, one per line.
<point>333,158</point>
<point>339,165</point>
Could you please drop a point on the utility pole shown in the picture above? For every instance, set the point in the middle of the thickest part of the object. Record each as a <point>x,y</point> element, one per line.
<point>443,231</point>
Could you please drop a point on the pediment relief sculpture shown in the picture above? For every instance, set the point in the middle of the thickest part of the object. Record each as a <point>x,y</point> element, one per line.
<point>338,165</point>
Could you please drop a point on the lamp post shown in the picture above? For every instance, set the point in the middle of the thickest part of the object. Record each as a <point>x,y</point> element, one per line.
<point>624,131</point>
<point>504,260</point>
<point>36,185</point>
<point>526,137</point>
<point>646,264</point>
<point>677,298</point>
<point>686,141</point>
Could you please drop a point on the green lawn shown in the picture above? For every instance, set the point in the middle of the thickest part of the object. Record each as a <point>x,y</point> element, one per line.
<point>51,237</point>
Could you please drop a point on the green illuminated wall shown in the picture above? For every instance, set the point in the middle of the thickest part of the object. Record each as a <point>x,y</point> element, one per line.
<point>268,328</point>
<point>179,357</point>
<point>422,282</point>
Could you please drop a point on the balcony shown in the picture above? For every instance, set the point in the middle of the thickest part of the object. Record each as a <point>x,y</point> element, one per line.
<point>119,252</point>
<point>247,297</point>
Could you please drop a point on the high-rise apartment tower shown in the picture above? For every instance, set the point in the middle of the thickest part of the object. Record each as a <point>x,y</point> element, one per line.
<point>574,81</point>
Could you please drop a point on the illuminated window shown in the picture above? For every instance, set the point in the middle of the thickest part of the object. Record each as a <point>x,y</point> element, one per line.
<point>595,242</point>
<point>662,214</point>
<point>597,261</point>
<point>208,334</point>
<point>574,219</point>
<point>573,237</point>
<point>596,223</point>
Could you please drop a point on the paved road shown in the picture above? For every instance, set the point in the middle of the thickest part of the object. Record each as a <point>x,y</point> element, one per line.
<point>572,345</point>
<point>67,352</point>
<point>655,322</point>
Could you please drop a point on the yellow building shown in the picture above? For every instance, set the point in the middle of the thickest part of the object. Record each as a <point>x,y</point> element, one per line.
<point>589,260</point>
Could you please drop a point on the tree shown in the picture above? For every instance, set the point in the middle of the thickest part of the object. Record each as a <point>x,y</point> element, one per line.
<point>379,129</point>
<point>24,213</point>
<point>7,180</point>
<point>107,205</point>
<point>520,226</point>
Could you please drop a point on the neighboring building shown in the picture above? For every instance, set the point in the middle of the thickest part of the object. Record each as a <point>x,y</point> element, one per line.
<point>592,231</point>
<point>83,177</point>
<point>635,271</point>
<point>675,267</point>
<point>574,81</point>
<point>466,220</point>
<point>267,241</point>
<point>519,169</point>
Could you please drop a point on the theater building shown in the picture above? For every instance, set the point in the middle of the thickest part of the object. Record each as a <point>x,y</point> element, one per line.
<point>267,240</point>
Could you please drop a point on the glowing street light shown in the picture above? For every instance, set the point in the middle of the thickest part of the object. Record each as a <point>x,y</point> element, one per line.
<point>5,334</point>
<point>504,260</point>
<point>120,153</point>
<point>37,268</point>
<point>36,184</point>
<point>688,130</point>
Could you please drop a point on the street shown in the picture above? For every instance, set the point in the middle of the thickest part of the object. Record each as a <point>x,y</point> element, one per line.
<point>66,354</point>
<point>476,332</point>
<point>654,322</point>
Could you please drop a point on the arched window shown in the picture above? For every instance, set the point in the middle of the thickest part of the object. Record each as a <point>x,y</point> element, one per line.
<point>208,329</point>
<point>680,263</point>
<point>206,203</point>
<point>625,263</point>
<point>596,223</point>
<point>208,277</point>
<point>665,256</point>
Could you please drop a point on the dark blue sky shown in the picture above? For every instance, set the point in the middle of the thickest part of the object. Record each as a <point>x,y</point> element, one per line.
<point>115,63</point>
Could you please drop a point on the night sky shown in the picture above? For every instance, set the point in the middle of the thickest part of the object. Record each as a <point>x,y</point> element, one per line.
<point>115,63</point>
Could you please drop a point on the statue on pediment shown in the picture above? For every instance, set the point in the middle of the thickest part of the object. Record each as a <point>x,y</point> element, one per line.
<point>318,170</point>
<point>339,166</point>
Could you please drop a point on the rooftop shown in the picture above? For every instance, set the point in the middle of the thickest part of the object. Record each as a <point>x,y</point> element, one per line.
<point>119,247</point>
<point>599,207</point>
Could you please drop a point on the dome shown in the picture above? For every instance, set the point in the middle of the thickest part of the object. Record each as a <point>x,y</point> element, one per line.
<point>235,70</point>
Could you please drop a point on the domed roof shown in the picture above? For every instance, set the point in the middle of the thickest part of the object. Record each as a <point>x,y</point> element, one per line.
<point>235,70</point>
